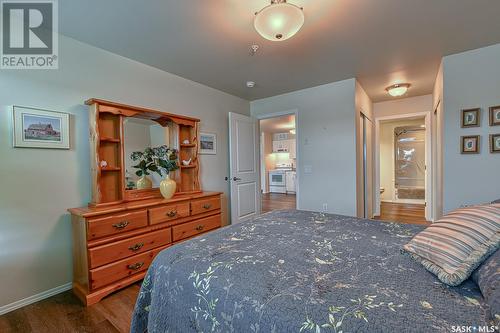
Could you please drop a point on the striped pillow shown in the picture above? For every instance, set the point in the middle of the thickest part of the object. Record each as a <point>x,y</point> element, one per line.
<point>458,243</point>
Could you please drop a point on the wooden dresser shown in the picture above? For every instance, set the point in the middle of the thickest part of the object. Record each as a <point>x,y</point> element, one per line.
<point>114,246</point>
<point>123,228</point>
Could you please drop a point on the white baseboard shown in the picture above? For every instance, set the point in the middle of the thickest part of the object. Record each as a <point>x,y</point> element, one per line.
<point>35,298</point>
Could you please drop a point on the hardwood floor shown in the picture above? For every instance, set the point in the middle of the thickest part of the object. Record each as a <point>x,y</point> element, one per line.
<point>275,201</point>
<point>402,213</point>
<point>64,313</point>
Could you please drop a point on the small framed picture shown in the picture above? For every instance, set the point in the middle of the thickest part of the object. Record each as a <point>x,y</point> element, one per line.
<point>35,128</point>
<point>471,118</point>
<point>495,115</point>
<point>208,143</point>
<point>470,144</point>
<point>495,143</point>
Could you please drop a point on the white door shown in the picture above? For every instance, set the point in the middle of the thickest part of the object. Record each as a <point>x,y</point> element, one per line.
<point>244,162</point>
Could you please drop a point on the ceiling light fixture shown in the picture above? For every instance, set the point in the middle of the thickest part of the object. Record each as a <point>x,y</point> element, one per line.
<point>250,84</point>
<point>279,21</point>
<point>398,89</point>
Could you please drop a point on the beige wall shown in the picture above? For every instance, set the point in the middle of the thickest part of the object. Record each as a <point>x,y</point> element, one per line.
<point>38,185</point>
<point>386,137</point>
<point>403,106</point>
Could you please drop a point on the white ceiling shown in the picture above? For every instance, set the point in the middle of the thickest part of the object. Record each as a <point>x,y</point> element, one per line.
<point>378,41</point>
<point>281,124</point>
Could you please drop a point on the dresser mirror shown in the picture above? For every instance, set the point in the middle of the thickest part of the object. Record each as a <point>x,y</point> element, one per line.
<point>118,130</point>
<point>138,135</point>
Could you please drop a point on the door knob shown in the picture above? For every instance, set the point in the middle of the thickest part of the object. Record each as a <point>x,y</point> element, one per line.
<point>226,178</point>
<point>236,179</point>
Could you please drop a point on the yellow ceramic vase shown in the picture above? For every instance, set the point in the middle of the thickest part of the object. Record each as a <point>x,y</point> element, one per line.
<point>167,187</point>
<point>144,183</point>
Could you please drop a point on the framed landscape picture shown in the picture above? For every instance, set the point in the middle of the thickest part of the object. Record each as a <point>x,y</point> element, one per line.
<point>208,143</point>
<point>495,143</point>
<point>35,128</point>
<point>471,118</point>
<point>470,144</point>
<point>495,115</point>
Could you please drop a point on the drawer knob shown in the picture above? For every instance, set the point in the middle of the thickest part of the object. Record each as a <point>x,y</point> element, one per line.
<point>121,225</point>
<point>172,213</point>
<point>200,227</point>
<point>136,247</point>
<point>136,266</point>
<point>207,206</point>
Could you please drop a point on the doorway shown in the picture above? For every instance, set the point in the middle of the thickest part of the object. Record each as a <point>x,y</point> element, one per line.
<point>409,163</point>
<point>403,168</point>
<point>278,162</point>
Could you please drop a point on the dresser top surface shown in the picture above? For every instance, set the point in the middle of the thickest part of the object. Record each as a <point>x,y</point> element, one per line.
<point>88,211</point>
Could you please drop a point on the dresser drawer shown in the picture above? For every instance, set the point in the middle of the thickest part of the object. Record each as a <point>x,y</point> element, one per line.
<point>115,224</point>
<point>205,205</point>
<point>168,212</point>
<point>105,254</point>
<point>189,229</point>
<point>102,276</point>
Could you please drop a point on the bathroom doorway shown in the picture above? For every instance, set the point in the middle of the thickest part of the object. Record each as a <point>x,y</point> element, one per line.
<point>403,175</point>
<point>409,163</point>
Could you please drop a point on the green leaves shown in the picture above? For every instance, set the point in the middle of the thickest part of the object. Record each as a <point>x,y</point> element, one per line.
<point>472,300</point>
<point>337,314</point>
<point>160,159</point>
<point>426,304</point>
<point>207,306</point>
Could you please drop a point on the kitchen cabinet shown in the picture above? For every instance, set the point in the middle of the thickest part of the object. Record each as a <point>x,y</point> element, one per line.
<point>280,146</point>
<point>291,181</point>
<point>285,146</point>
<point>280,136</point>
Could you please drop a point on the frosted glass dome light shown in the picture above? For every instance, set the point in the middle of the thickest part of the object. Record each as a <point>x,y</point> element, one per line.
<point>398,89</point>
<point>279,21</point>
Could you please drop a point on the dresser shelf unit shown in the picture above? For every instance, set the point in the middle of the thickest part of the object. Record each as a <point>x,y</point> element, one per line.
<point>106,138</point>
<point>117,236</point>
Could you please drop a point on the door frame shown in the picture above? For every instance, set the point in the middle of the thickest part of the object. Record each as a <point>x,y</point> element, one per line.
<point>429,172</point>
<point>294,112</point>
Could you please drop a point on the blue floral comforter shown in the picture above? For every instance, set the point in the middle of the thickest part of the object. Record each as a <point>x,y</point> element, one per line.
<point>297,271</point>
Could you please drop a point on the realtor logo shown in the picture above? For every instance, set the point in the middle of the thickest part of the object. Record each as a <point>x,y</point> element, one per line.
<point>29,34</point>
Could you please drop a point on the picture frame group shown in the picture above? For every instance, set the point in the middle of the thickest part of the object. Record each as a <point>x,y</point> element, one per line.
<point>471,144</point>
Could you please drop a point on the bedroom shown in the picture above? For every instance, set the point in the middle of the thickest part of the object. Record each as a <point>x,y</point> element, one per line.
<point>193,62</point>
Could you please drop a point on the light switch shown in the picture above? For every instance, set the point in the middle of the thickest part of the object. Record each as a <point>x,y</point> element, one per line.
<point>308,169</point>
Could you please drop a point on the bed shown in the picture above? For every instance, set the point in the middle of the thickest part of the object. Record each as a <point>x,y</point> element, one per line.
<point>291,271</point>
